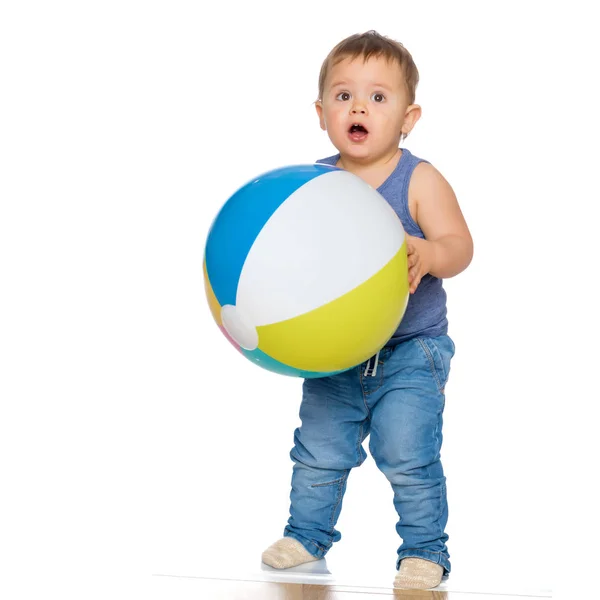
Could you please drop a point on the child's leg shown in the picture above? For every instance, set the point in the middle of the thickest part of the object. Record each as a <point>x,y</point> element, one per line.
<point>406,438</point>
<point>327,445</point>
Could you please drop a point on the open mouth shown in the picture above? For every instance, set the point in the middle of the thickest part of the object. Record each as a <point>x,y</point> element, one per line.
<point>357,132</point>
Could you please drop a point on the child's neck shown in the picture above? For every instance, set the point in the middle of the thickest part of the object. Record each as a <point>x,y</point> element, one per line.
<point>374,173</point>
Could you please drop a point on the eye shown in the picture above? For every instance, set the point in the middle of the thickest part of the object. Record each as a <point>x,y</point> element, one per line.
<point>343,96</point>
<point>378,97</point>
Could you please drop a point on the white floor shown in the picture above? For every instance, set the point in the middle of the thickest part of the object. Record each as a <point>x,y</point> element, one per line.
<point>366,573</point>
<point>183,588</point>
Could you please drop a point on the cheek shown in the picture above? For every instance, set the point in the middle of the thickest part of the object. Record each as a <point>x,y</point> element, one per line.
<point>393,113</point>
<point>389,121</point>
<point>334,119</point>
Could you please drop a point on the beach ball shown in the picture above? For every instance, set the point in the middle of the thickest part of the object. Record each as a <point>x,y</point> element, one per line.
<point>305,270</point>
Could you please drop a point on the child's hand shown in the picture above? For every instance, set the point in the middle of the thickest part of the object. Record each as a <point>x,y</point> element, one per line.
<point>420,260</point>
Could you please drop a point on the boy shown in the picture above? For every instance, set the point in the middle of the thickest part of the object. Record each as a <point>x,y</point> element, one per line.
<point>366,105</point>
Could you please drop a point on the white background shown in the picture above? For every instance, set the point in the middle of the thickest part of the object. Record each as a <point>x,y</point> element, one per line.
<point>134,439</point>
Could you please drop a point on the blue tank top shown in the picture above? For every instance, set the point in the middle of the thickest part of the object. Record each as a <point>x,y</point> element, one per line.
<point>426,311</point>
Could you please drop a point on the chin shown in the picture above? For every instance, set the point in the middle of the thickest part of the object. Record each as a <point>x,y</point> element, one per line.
<point>357,153</point>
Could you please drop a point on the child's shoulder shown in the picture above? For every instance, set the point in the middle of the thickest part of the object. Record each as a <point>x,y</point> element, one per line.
<point>425,176</point>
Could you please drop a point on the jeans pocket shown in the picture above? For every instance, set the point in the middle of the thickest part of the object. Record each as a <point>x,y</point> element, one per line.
<point>439,352</point>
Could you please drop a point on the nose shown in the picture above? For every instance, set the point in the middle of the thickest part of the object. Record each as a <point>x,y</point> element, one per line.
<point>358,107</point>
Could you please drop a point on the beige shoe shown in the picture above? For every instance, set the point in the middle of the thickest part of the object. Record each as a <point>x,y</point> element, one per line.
<point>285,553</point>
<point>418,574</point>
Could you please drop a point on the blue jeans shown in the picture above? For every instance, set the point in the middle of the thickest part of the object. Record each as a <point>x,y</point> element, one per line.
<point>397,398</point>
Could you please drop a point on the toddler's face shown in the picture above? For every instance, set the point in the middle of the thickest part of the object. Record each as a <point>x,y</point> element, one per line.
<point>364,107</point>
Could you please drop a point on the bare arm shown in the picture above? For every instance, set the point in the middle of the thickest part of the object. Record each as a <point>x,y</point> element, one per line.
<point>447,249</point>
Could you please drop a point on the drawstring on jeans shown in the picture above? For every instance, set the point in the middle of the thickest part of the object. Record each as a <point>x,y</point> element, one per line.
<point>371,367</point>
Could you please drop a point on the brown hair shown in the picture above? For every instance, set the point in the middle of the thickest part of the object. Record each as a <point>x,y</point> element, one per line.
<point>373,44</point>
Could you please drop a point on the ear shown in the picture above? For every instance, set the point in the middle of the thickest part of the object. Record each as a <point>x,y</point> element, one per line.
<point>411,116</point>
<point>319,107</point>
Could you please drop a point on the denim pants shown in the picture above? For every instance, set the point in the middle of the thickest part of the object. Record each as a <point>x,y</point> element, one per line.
<point>398,398</point>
